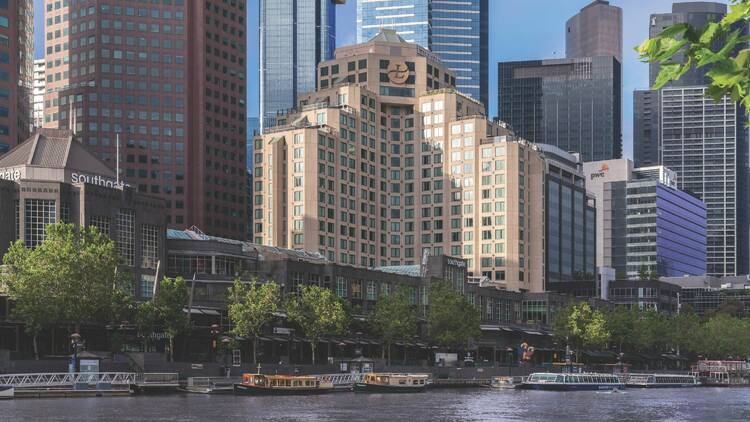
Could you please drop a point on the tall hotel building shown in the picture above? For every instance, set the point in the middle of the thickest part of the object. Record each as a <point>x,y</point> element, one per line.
<point>456,31</point>
<point>573,103</point>
<point>16,67</point>
<point>39,87</point>
<point>168,78</point>
<point>378,167</point>
<point>704,141</point>
<point>295,35</point>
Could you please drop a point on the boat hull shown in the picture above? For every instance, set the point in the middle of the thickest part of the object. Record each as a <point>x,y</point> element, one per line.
<point>570,387</point>
<point>374,388</point>
<point>249,390</point>
<point>6,391</point>
<point>661,385</point>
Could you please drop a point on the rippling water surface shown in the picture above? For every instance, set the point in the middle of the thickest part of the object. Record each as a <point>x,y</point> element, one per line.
<point>693,404</point>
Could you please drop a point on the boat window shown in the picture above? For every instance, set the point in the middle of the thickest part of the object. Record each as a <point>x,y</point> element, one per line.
<point>402,382</point>
<point>560,378</point>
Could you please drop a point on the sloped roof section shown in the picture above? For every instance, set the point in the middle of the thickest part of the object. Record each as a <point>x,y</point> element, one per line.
<point>55,148</point>
<point>388,35</point>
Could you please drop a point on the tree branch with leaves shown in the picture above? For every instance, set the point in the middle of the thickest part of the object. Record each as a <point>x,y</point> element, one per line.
<point>252,306</point>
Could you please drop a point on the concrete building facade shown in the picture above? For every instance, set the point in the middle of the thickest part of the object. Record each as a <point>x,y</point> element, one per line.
<point>595,31</point>
<point>16,57</point>
<point>122,70</point>
<point>458,32</point>
<point>53,178</point>
<point>40,85</point>
<point>383,169</point>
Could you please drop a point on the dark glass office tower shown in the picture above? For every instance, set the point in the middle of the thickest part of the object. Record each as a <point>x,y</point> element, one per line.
<point>574,104</point>
<point>457,31</point>
<point>295,35</point>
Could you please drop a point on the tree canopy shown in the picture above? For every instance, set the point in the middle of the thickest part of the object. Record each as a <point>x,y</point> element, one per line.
<point>451,319</point>
<point>317,311</point>
<point>69,278</point>
<point>251,306</point>
<point>394,318</point>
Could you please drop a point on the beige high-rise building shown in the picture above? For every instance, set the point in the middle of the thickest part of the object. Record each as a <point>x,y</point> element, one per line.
<point>387,162</point>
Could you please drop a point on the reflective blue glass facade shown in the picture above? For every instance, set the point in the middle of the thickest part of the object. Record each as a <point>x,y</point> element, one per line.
<point>295,35</point>
<point>456,31</point>
<point>666,230</point>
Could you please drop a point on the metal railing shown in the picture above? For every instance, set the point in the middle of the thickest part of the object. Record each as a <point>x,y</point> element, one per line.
<point>62,379</point>
<point>166,378</point>
<point>340,379</point>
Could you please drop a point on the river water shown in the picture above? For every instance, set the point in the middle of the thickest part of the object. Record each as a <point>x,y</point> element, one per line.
<point>690,404</point>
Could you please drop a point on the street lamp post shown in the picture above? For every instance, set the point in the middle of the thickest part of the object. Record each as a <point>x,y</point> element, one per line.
<point>225,345</point>
<point>75,343</point>
<point>215,330</point>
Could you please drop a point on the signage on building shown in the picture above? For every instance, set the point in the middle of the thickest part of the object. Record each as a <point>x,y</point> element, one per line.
<point>602,171</point>
<point>282,330</point>
<point>398,72</point>
<point>94,180</point>
<point>456,263</point>
<point>10,174</point>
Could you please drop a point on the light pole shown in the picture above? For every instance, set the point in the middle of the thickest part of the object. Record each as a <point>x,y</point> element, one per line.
<point>75,343</point>
<point>215,330</point>
<point>225,345</point>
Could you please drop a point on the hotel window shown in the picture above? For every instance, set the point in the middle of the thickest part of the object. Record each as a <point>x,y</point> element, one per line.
<point>101,223</point>
<point>356,289</point>
<point>149,245</point>
<point>147,286</point>
<point>340,286</point>
<point>38,214</point>
<point>126,236</point>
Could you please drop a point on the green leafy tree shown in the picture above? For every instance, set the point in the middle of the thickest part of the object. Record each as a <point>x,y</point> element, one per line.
<point>652,331</point>
<point>170,302</point>
<point>146,322</point>
<point>451,319</point>
<point>730,307</point>
<point>621,325</point>
<point>579,325</point>
<point>394,318</point>
<point>680,47</point>
<point>69,277</point>
<point>251,306</point>
<point>682,329</point>
<point>317,311</point>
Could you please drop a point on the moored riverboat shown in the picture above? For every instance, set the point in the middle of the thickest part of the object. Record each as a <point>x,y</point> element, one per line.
<point>392,383</point>
<point>571,382</point>
<point>281,385</point>
<point>661,381</point>
<point>7,392</point>
<point>722,373</point>
<point>506,383</point>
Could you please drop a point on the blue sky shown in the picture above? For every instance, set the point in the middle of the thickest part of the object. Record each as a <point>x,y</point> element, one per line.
<point>520,30</point>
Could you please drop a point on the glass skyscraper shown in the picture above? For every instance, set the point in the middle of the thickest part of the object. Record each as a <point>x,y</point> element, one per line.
<point>456,31</point>
<point>704,141</point>
<point>574,104</point>
<point>295,35</point>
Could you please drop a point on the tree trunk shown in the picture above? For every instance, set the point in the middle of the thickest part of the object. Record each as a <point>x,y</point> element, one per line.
<point>313,344</point>
<point>171,349</point>
<point>255,350</point>
<point>36,348</point>
<point>389,354</point>
<point>404,354</point>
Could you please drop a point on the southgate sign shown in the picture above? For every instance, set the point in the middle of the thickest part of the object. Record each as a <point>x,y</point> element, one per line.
<point>94,180</point>
<point>10,174</point>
